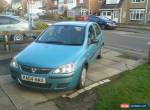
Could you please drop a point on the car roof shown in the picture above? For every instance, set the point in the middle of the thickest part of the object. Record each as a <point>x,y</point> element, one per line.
<point>11,16</point>
<point>73,23</point>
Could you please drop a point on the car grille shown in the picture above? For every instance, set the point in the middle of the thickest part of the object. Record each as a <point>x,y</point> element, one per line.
<point>35,70</point>
<point>36,85</point>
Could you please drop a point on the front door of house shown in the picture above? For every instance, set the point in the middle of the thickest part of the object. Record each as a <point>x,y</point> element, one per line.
<point>108,14</point>
<point>116,16</point>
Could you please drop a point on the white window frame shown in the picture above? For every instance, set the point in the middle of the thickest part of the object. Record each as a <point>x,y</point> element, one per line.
<point>149,16</point>
<point>136,1</point>
<point>137,12</point>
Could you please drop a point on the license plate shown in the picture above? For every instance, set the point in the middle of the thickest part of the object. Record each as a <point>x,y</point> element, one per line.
<point>33,79</point>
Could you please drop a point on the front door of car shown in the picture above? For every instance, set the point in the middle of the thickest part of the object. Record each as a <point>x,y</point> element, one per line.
<point>92,47</point>
<point>98,35</point>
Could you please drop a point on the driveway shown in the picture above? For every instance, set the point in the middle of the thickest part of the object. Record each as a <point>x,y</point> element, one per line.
<point>15,97</point>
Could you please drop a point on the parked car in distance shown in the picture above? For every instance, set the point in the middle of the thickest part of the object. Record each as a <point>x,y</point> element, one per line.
<point>104,22</point>
<point>59,58</point>
<point>35,13</point>
<point>81,18</point>
<point>12,24</point>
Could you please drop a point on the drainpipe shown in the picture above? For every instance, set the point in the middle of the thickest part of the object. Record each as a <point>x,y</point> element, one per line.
<point>89,7</point>
<point>147,3</point>
<point>120,15</point>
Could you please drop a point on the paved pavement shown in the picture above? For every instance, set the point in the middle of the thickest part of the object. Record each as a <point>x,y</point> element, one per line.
<point>14,97</point>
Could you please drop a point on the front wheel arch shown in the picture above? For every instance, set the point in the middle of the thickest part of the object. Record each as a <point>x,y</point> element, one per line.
<point>79,84</point>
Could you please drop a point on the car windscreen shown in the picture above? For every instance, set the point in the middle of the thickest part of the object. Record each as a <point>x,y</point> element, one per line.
<point>63,34</point>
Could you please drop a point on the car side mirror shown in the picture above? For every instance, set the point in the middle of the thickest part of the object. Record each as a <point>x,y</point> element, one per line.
<point>34,37</point>
<point>93,41</point>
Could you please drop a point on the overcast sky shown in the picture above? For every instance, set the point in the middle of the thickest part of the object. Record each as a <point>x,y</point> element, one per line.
<point>9,1</point>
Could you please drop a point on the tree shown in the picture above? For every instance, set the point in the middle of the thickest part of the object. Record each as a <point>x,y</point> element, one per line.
<point>3,5</point>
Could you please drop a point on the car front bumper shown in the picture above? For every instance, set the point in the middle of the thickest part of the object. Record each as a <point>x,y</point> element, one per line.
<point>53,82</point>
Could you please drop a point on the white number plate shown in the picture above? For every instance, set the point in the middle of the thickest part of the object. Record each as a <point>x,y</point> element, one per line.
<point>33,79</point>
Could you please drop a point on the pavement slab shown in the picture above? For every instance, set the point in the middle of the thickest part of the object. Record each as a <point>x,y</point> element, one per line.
<point>97,76</point>
<point>22,97</point>
<point>110,53</point>
<point>44,106</point>
<point>5,103</point>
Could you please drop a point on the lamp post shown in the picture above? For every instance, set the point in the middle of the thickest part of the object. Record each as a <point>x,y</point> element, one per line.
<point>89,7</point>
<point>29,7</point>
<point>146,12</point>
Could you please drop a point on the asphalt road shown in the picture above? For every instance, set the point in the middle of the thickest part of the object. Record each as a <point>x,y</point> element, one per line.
<point>128,40</point>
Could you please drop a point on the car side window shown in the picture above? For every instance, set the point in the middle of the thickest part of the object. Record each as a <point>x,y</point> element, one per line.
<point>91,34</point>
<point>97,29</point>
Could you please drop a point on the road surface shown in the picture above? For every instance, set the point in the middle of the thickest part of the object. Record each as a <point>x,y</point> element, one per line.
<point>135,41</point>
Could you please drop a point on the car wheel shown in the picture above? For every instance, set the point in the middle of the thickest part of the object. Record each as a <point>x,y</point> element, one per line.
<point>18,37</point>
<point>82,79</point>
<point>103,27</point>
<point>100,54</point>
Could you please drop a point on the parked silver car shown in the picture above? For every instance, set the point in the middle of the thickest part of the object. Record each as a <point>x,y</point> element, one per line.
<point>12,24</point>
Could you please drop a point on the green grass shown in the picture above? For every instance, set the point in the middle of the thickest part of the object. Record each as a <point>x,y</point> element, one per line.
<point>133,87</point>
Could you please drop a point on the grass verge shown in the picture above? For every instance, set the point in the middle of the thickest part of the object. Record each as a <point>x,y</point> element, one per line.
<point>133,87</point>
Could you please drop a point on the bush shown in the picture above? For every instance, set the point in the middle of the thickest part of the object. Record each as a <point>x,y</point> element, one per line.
<point>56,17</point>
<point>40,25</point>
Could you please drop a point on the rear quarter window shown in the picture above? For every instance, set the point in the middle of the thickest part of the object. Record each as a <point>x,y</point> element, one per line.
<point>97,29</point>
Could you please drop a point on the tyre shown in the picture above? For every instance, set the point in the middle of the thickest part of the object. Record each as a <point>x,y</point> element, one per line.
<point>18,37</point>
<point>100,54</point>
<point>82,79</point>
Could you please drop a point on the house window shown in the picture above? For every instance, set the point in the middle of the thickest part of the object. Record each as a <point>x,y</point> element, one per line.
<point>70,1</point>
<point>112,1</point>
<point>137,1</point>
<point>99,1</point>
<point>149,16</point>
<point>137,14</point>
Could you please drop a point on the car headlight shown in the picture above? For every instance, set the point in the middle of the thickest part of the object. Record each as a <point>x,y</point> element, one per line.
<point>68,68</point>
<point>14,63</point>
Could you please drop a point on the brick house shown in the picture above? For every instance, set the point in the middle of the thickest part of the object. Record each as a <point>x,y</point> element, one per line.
<point>51,6</point>
<point>86,7</point>
<point>66,5</point>
<point>114,9</point>
<point>138,11</point>
<point>126,11</point>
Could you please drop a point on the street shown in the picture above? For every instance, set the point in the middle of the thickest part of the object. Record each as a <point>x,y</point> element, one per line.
<point>128,40</point>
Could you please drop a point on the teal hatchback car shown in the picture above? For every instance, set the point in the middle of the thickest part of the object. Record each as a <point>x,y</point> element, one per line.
<point>59,58</point>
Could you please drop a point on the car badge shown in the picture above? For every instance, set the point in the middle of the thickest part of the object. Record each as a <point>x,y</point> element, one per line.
<point>33,70</point>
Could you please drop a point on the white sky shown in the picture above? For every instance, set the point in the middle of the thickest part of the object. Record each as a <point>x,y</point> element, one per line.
<point>9,1</point>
